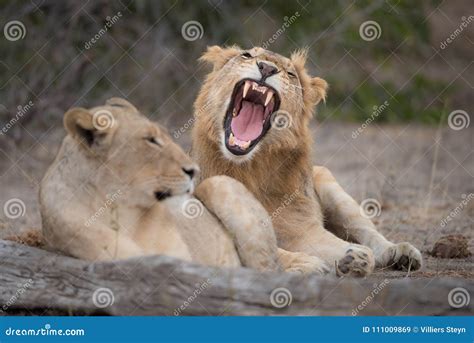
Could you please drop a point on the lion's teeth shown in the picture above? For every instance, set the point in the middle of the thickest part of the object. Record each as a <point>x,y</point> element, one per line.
<point>234,112</point>
<point>269,97</point>
<point>246,88</point>
<point>231,139</point>
<point>245,145</point>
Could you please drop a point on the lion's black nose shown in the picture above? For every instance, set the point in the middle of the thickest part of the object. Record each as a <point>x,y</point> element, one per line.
<point>266,70</point>
<point>190,171</point>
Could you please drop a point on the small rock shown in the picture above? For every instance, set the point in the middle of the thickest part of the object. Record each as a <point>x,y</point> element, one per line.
<point>451,246</point>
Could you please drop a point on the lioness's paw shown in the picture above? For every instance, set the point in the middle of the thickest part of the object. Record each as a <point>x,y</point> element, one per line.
<point>306,264</point>
<point>358,261</point>
<point>402,256</point>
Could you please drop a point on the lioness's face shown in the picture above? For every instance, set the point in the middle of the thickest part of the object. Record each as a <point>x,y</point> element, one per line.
<point>258,99</point>
<point>138,156</point>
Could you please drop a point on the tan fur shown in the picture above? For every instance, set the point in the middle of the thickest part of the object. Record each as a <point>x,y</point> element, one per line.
<point>280,165</point>
<point>111,174</point>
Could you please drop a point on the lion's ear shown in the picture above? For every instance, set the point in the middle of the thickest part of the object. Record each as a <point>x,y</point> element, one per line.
<point>79,123</point>
<point>299,57</point>
<point>317,90</point>
<point>120,102</point>
<point>218,56</point>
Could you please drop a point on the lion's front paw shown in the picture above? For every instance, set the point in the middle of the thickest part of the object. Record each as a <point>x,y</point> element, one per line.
<point>306,264</point>
<point>402,256</point>
<point>358,261</point>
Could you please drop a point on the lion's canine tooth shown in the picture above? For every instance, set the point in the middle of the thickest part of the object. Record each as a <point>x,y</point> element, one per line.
<point>234,112</point>
<point>231,139</point>
<point>246,88</point>
<point>269,97</point>
<point>245,145</point>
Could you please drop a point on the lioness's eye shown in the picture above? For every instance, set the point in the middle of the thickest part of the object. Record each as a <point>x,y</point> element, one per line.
<point>153,140</point>
<point>246,55</point>
<point>292,75</point>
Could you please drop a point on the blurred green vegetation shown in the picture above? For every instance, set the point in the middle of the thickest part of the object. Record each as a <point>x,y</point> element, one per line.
<point>144,57</point>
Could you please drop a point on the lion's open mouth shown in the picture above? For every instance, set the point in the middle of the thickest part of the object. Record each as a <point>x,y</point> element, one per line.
<point>248,117</point>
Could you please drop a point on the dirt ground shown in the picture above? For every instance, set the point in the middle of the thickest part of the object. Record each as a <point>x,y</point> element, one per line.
<point>418,174</point>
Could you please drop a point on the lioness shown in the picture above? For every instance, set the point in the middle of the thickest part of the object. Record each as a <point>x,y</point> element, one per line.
<point>119,187</point>
<point>252,115</point>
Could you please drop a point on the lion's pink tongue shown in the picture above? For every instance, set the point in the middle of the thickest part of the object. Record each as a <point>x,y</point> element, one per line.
<point>248,125</point>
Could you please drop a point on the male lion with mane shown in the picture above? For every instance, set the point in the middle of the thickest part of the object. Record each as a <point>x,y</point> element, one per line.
<point>239,132</point>
<point>120,187</point>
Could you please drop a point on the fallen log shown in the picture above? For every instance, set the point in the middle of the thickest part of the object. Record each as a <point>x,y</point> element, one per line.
<point>32,278</point>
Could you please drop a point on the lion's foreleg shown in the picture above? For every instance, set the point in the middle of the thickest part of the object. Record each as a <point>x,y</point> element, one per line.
<point>244,218</point>
<point>345,219</point>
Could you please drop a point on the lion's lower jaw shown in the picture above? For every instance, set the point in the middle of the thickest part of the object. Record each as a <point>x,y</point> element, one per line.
<point>237,159</point>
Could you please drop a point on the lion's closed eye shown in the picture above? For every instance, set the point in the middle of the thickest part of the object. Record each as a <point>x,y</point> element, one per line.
<point>154,141</point>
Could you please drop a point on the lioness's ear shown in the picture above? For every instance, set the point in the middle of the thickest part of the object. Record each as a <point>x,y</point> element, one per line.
<point>317,90</point>
<point>79,123</point>
<point>217,56</point>
<point>120,102</point>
